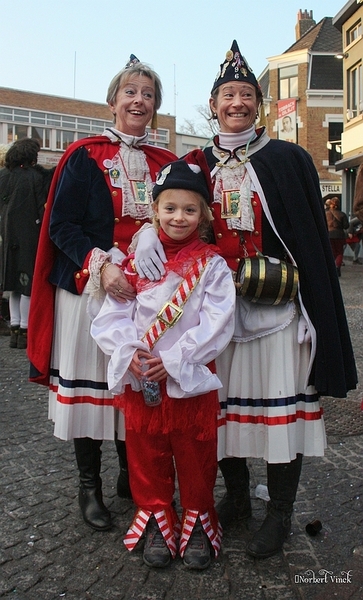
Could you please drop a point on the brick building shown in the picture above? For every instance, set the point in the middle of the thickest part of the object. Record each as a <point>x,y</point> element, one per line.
<point>303,96</point>
<point>349,24</point>
<point>56,122</point>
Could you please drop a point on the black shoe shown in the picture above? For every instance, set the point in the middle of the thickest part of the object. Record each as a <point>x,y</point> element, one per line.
<point>270,538</point>
<point>197,553</point>
<point>234,507</point>
<point>22,339</point>
<point>339,271</point>
<point>94,512</point>
<point>14,332</point>
<point>156,552</point>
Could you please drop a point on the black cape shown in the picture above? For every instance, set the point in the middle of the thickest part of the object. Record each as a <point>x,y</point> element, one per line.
<point>290,183</point>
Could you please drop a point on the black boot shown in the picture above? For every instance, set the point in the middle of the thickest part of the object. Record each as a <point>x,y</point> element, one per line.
<point>94,512</point>
<point>236,503</point>
<point>282,482</point>
<point>123,486</point>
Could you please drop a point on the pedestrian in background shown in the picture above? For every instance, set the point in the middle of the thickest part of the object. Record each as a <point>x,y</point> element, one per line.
<point>286,350</point>
<point>338,225</point>
<point>23,191</point>
<point>358,195</point>
<point>4,300</point>
<point>100,196</point>
<point>355,232</point>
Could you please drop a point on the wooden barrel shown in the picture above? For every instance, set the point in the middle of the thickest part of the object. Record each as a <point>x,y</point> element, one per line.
<point>265,282</point>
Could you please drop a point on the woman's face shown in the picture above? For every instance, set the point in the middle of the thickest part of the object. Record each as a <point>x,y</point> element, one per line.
<point>134,105</point>
<point>236,106</point>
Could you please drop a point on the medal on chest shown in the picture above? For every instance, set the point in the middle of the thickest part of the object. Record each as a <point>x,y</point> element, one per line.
<point>231,204</point>
<point>117,172</point>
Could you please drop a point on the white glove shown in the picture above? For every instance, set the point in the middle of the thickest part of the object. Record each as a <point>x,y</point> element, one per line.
<point>149,255</point>
<point>303,333</point>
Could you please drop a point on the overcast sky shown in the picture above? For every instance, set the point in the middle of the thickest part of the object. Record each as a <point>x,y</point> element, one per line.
<point>73,48</point>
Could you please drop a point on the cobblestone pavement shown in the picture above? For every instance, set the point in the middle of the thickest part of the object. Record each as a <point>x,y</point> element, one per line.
<point>47,552</point>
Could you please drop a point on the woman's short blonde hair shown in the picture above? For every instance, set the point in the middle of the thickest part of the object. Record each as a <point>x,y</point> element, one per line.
<point>125,75</point>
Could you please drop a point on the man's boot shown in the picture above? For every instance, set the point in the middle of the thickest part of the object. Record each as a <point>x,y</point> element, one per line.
<point>94,512</point>
<point>282,483</point>
<point>123,486</point>
<point>236,503</point>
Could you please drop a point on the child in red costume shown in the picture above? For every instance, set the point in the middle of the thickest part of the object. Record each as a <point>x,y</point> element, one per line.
<point>178,325</point>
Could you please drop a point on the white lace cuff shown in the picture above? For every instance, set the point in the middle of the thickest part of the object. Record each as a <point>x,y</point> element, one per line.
<point>97,259</point>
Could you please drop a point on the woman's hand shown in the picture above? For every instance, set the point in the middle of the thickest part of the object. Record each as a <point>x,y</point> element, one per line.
<point>149,255</point>
<point>303,333</point>
<point>156,370</point>
<point>115,283</point>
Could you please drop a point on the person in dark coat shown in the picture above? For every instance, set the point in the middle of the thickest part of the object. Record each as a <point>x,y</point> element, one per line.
<point>23,191</point>
<point>337,225</point>
<point>355,234</point>
<point>4,300</point>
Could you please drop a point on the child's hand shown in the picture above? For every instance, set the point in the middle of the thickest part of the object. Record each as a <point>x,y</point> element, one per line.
<point>156,370</point>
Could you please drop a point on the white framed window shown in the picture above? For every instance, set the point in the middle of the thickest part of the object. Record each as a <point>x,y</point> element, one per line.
<point>64,139</point>
<point>353,33</point>
<point>355,90</point>
<point>288,82</point>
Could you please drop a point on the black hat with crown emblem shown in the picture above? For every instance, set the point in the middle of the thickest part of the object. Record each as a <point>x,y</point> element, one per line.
<point>235,68</point>
<point>188,173</point>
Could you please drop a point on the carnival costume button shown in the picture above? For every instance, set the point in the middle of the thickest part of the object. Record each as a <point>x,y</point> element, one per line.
<point>85,271</point>
<point>219,235</point>
<point>78,276</point>
<point>256,233</point>
<point>238,260</point>
<point>137,222</point>
<point>105,171</point>
<point>254,203</point>
<point>114,193</point>
<point>234,234</point>
<point>115,244</point>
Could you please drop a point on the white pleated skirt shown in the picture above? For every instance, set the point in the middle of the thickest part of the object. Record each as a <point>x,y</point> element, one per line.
<point>266,410</point>
<point>80,404</point>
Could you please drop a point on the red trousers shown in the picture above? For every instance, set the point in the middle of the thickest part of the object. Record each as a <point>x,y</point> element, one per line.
<point>153,460</point>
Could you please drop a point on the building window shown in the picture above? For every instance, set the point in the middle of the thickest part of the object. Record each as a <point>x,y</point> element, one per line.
<point>158,137</point>
<point>17,132</point>
<point>288,81</point>
<point>354,32</point>
<point>334,143</point>
<point>354,91</point>
<point>42,135</point>
<point>21,115</point>
<point>64,139</point>
<point>37,118</point>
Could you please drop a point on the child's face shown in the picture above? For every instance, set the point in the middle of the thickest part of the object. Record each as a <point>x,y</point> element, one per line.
<point>179,212</point>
